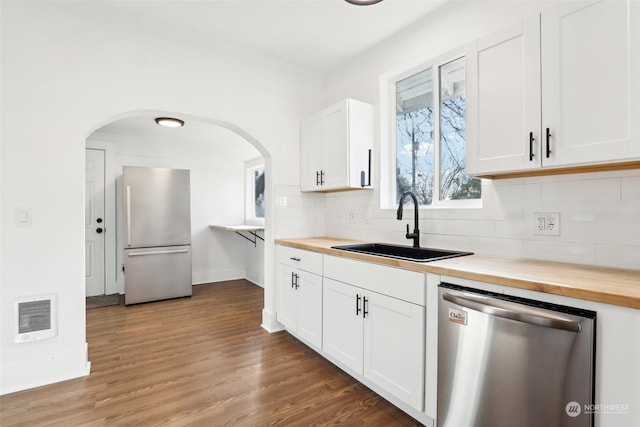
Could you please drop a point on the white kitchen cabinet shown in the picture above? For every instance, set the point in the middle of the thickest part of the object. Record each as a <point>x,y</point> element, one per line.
<point>336,146</point>
<point>299,302</point>
<point>378,336</point>
<point>394,346</point>
<point>343,326</point>
<point>311,147</point>
<point>503,100</point>
<point>559,89</point>
<point>588,80</point>
<point>634,10</point>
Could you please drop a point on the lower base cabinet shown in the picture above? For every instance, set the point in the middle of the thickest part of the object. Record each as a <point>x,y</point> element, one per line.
<point>300,303</point>
<point>377,336</point>
<point>299,293</point>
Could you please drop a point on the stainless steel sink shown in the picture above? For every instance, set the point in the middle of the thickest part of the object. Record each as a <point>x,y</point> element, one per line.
<point>402,252</point>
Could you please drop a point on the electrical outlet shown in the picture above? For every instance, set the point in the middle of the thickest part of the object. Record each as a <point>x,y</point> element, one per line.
<point>547,224</point>
<point>351,217</point>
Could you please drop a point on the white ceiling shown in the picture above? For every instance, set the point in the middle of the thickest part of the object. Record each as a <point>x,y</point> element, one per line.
<point>319,34</point>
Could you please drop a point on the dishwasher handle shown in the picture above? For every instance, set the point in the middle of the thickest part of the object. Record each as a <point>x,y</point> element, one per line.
<point>514,311</point>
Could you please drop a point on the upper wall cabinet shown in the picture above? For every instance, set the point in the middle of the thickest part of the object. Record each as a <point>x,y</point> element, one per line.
<point>503,99</point>
<point>336,147</point>
<point>558,90</point>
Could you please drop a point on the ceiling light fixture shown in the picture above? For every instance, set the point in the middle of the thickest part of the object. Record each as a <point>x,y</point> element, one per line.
<point>363,2</point>
<point>169,122</point>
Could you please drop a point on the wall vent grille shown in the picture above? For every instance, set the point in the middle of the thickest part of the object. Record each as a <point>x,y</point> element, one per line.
<point>36,318</point>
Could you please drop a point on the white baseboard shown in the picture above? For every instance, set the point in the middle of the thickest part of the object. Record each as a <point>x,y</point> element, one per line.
<point>270,322</point>
<point>255,277</point>
<point>198,278</point>
<point>37,372</point>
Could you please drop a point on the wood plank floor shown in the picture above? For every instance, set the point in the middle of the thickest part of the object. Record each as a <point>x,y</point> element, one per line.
<point>199,361</point>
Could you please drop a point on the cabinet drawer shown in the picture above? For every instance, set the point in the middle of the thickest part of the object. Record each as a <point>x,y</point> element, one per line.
<point>394,282</point>
<point>301,259</point>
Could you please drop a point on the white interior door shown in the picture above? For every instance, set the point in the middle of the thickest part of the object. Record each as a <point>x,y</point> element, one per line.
<point>94,229</point>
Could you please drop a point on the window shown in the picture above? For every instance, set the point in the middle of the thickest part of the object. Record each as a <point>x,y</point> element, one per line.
<point>430,137</point>
<point>254,204</point>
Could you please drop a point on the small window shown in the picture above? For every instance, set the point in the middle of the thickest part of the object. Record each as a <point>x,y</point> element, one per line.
<point>414,136</point>
<point>254,205</point>
<point>454,183</point>
<point>429,135</point>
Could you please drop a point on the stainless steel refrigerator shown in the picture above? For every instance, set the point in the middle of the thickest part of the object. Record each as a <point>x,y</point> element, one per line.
<point>157,233</point>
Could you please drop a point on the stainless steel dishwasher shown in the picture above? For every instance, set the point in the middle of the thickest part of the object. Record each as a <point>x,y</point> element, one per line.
<point>507,361</point>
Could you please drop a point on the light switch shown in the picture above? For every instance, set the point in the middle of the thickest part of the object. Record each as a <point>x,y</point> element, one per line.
<point>23,217</point>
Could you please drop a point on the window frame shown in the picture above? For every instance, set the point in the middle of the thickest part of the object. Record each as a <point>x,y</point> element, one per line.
<point>388,83</point>
<point>251,166</point>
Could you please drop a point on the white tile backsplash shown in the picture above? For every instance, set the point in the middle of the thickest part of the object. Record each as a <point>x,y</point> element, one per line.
<point>621,256</point>
<point>599,218</point>
<point>631,188</point>
<point>579,190</point>
<point>580,253</point>
<point>298,214</point>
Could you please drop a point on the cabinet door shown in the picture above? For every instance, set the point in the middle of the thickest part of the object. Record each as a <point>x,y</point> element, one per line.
<point>310,308</point>
<point>342,323</point>
<point>394,347</point>
<point>589,81</point>
<point>311,151</point>
<point>634,9</point>
<point>335,159</point>
<point>503,100</point>
<point>287,297</point>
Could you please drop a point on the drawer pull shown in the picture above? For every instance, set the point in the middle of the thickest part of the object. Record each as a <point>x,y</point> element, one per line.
<point>294,258</point>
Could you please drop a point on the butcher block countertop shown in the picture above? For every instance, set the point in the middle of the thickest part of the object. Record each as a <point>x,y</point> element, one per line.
<point>606,285</point>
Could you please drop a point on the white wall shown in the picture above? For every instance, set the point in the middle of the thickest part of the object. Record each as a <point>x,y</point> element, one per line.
<point>599,212</point>
<point>254,260</point>
<point>67,69</point>
<point>217,168</point>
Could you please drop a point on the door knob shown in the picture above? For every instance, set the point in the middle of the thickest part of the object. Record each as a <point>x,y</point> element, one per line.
<point>98,230</point>
<point>99,220</point>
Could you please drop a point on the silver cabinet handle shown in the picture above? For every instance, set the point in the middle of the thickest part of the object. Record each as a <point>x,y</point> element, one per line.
<point>128,215</point>
<point>169,251</point>
<point>514,311</point>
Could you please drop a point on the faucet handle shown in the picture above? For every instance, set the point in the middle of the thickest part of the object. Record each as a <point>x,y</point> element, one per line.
<point>407,231</point>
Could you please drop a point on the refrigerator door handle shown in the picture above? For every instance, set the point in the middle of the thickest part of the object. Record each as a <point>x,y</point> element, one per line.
<point>128,215</point>
<point>507,310</point>
<point>170,251</point>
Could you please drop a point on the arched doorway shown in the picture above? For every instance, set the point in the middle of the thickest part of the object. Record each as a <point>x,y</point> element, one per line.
<point>212,147</point>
